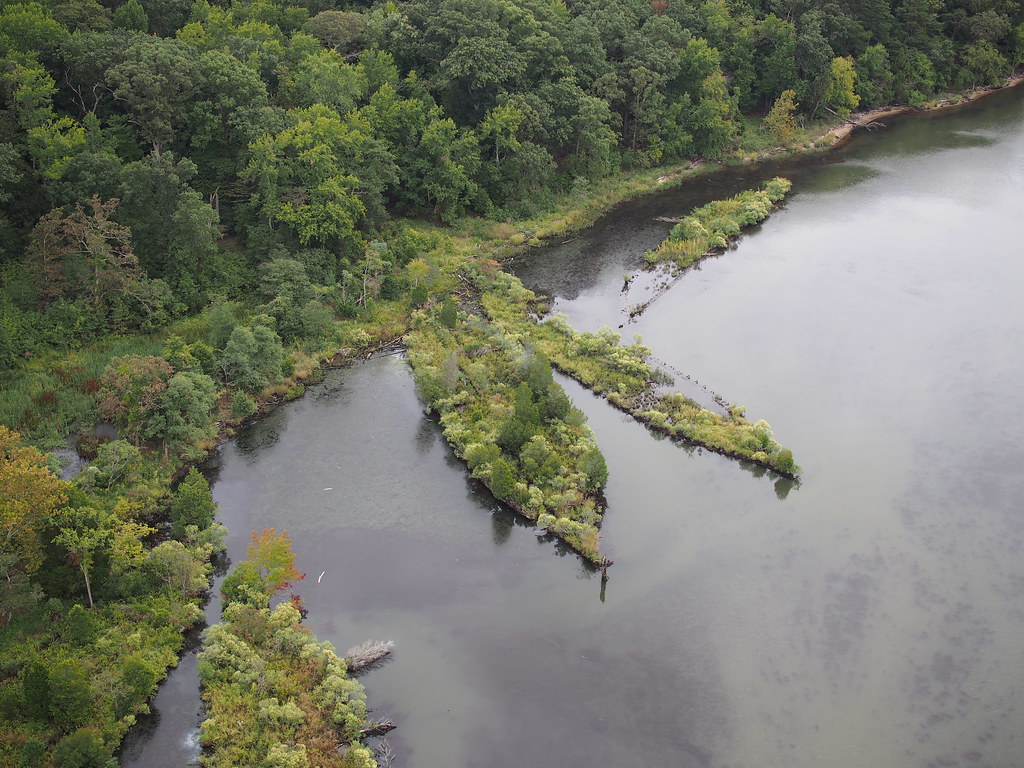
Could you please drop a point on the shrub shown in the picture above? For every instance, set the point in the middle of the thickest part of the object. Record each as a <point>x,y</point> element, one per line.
<point>784,461</point>
<point>592,464</point>
<point>32,753</point>
<point>81,627</point>
<point>242,406</point>
<point>502,480</point>
<point>82,749</point>
<point>477,454</point>
<point>193,504</point>
<point>70,695</point>
<point>35,687</point>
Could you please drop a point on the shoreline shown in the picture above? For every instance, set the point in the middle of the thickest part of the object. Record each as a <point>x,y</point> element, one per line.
<point>543,229</point>
<point>842,133</point>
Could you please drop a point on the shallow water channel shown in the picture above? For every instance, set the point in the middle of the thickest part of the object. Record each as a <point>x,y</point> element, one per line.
<point>871,615</point>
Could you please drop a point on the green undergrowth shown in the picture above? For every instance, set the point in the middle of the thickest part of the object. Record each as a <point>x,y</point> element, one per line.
<point>710,228</point>
<point>74,676</point>
<point>276,697</point>
<point>503,413</point>
<point>622,375</point>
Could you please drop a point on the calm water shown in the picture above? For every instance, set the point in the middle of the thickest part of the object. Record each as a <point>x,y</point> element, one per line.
<point>873,615</point>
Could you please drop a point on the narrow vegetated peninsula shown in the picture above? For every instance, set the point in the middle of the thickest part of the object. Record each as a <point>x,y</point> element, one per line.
<point>270,687</point>
<point>504,414</point>
<point>706,231</point>
<point>709,229</point>
<point>623,375</point>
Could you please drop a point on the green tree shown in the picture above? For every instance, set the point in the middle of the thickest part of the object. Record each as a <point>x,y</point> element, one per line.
<point>83,533</point>
<point>774,43</point>
<point>982,64</point>
<point>1017,51</point>
<point>499,127</point>
<point>286,288</point>
<point>35,690</point>
<point>131,392</point>
<point>186,410</point>
<point>193,504</point>
<point>840,94</point>
<point>138,677</point>
<point>82,749</point>
<point>324,78</point>
<point>502,480</point>
<point>223,319</point>
<point>874,76</point>
<point>70,695</point>
<point>28,28</point>
<point>30,91</point>
<point>157,83</point>
<point>174,229</point>
<point>252,358</point>
<point>448,315</point>
<point>446,162</point>
<point>81,627</point>
<point>118,462</point>
<point>132,16</point>
<point>340,31</point>
<point>319,176</point>
<point>29,496</point>
<point>711,118</point>
<point>813,56</point>
<point>779,121</point>
<point>181,570</point>
<point>592,464</point>
<point>242,406</point>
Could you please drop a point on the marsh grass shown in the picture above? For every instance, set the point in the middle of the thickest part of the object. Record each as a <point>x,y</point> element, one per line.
<point>54,393</point>
<point>710,228</point>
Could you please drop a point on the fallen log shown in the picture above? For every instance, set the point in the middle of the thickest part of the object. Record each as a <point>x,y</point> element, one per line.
<point>377,729</point>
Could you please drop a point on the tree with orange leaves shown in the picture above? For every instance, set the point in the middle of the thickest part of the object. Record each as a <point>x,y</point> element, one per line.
<point>29,495</point>
<point>269,569</point>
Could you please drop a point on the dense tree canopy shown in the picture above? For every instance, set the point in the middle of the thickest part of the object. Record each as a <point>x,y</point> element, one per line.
<point>135,136</point>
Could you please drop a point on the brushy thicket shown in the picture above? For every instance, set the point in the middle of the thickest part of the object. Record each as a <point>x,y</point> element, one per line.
<point>710,228</point>
<point>276,697</point>
<point>503,413</point>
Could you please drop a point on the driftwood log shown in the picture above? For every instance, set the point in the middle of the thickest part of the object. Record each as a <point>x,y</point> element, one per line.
<point>377,729</point>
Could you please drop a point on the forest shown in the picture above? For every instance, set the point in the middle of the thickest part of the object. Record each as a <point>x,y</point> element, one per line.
<point>201,202</point>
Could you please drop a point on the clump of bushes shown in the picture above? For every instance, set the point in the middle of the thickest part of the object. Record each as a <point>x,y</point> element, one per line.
<point>274,694</point>
<point>503,412</point>
<point>710,228</point>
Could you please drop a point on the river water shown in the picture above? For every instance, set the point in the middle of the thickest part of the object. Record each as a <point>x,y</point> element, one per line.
<point>871,615</point>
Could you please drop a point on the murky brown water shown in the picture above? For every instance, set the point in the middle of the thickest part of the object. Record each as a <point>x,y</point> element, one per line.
<point>871,616</point>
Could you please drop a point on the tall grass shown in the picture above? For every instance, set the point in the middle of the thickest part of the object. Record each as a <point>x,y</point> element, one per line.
<point>54,393</point>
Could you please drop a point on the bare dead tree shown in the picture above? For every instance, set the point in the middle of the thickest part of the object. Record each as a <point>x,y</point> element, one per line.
<point>385,755</point>
<point>363,655</point>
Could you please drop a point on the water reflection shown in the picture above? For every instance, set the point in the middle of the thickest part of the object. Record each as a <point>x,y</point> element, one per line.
<point>262,434</point>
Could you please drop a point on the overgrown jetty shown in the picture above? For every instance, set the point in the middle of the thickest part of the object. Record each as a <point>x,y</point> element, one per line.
<point>623,375</point>
<point>504,414</point>
<point>271,688</point>
<point>710,229</point>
